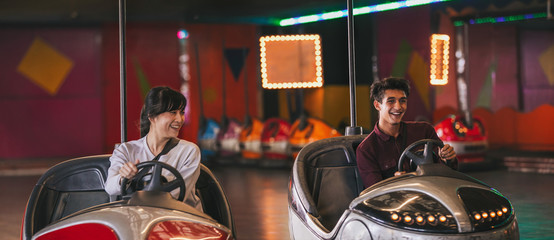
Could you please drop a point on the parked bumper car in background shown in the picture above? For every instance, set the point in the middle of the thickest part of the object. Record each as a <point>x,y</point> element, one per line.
<point>275,142</point>
<point>469,142</point>
<point>306,130</point>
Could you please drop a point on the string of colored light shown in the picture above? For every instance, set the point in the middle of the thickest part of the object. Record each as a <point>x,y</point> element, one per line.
<point>502,19</point>
<point>357,11</point>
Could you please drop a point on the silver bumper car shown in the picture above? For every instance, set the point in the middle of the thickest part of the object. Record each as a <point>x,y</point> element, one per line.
<point>327,199</point>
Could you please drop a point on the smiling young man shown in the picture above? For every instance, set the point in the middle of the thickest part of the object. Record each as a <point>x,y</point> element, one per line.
<point>378,154</point>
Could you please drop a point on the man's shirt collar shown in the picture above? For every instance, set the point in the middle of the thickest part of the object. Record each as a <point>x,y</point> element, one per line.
<point>385,137</point>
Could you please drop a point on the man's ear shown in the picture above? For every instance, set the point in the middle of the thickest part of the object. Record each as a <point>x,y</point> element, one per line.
<point>377,105</point>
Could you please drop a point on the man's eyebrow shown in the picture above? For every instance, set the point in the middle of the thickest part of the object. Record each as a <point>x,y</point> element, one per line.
<point>394,98</point>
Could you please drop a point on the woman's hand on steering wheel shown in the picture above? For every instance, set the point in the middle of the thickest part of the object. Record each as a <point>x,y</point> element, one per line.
<point>129,169</point>
<point>156,183</point>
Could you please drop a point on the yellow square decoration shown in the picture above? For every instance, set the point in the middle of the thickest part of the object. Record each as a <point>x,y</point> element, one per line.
<point>291,61</point>
<point>45,66</point>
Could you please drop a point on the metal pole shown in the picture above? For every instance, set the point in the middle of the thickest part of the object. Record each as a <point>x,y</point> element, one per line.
<point>122,72</point>
<point>468,115</point>
<point>352,129</point>
<point>549,9</point>
<point>462,72</point>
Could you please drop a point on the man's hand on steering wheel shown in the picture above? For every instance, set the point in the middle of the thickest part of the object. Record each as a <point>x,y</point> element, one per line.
<point>447,153</point>
<point>425,156</point>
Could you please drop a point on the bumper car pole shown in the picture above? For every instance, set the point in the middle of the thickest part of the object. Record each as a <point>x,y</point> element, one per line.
<point>462,71</point>
<point>353,129</point>
<point>122,71</point>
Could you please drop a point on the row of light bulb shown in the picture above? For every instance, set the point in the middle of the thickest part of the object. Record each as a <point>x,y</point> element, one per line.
<point>418,219</point>
<point>489,215</point>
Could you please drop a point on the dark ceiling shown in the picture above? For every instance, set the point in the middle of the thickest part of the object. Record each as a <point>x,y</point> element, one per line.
<point>93,11</point>
<point>219,11</point>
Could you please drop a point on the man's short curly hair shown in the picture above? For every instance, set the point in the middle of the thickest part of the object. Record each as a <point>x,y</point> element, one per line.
<point>378,88</point>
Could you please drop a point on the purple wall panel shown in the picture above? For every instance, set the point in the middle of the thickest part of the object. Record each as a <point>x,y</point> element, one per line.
<point>505,92</point>
<point>37,124</point>
<point>490,44</point>
<point>537,89</point>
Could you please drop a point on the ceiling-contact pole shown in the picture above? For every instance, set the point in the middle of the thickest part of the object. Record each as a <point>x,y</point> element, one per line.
<point>122,72</point>
<point>353,129</point>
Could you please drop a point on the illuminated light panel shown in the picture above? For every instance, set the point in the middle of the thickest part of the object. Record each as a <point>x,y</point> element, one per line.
<point>420,220</point>
<point>431,219</point>
<point>307,19</point>
<point>512,18</point>
<point>357,11</point>
<point>408,219</point>
<point>333,15</point>
<point>395,217</point>
<point>182,34</point>
<point>440,52</point>
<point>291,61</point>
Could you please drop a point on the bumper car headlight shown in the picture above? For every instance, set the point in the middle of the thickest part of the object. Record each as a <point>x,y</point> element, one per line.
<point>487,209</point>
<point>409,210</point>
<point>176,229</point>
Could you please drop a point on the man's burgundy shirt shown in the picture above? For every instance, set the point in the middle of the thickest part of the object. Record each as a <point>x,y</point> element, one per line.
<point>378,154</point>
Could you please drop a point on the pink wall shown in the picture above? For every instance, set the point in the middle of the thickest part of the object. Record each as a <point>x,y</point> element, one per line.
<point>82,118</point>
<point>155,47</point>
<point>37,124</point>
<point>394,31</point>
<point>210,38</point>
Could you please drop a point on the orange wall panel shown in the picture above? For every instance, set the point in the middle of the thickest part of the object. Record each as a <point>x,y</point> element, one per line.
<point>535,130</point>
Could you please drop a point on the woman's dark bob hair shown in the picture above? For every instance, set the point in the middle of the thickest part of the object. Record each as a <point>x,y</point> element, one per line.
<point>159,100</point>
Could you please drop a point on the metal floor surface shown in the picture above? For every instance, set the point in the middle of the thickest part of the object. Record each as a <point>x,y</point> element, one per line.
<point>258,198</point>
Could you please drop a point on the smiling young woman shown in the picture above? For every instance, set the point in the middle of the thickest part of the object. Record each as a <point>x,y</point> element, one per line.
<point>162,116</point>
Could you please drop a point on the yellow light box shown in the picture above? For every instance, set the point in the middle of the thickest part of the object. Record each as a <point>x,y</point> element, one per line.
<point>291,61</point>
<point>440,52</point>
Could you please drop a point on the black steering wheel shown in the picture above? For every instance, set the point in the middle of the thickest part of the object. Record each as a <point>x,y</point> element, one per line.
<point>428,153</point>
<point>156,183</point>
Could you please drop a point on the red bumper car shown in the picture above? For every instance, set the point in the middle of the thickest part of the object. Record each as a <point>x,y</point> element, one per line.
<point>470,142</point>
